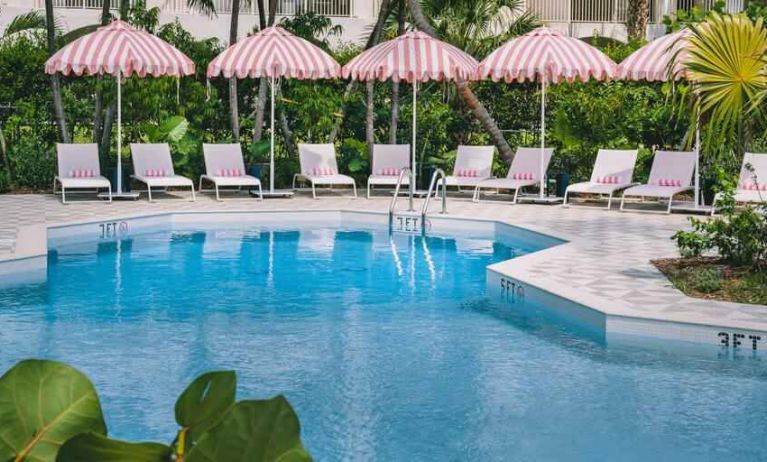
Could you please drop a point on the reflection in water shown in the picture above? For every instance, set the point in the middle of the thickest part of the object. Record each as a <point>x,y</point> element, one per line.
<point>384,343</point>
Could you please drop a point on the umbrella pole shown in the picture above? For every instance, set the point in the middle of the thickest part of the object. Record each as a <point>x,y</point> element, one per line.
<point>271,147</point>
<point>119,134</point>
<point>415,129</point>
<point>543,135</point>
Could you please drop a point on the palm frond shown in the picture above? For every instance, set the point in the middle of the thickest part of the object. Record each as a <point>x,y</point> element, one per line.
<point>27,21</point>
<point>206,7</point>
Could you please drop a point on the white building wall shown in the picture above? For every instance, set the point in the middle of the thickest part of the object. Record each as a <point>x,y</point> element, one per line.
<point>355,25</point>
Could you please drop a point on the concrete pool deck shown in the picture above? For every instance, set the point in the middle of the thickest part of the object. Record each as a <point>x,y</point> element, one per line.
<point>605,265</point>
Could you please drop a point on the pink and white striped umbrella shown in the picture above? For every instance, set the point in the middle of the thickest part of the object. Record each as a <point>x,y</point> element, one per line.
<point>652,61</point>
<point>119,48</point>
<point>274,52</point>
<point>546,55</point>
<point>414,56</point>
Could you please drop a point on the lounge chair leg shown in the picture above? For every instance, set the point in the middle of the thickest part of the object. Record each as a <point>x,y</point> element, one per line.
<point>564,199</point>
<point>354,187</point>
<point>109,192</point>
<point>63,194</point>
<point>609,201</point>
<point>516,193</point>
<point>475,198</point>
<point>149,192</point>
<point>314,191</point>
<point>670,202</point>
<point>192,189</point>
<point>368,194</point>
<point>218,197</point>
<point>199,187</point>
<point>623,201</point>
<point>260,192</point>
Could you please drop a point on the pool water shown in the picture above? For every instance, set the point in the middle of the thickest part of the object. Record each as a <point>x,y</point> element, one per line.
<point>388,348</point>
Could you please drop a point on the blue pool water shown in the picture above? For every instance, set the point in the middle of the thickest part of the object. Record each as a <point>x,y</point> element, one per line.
<point>389,349</point>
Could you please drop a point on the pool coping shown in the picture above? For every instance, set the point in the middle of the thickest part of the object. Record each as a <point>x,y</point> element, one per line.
<point>32,248</point>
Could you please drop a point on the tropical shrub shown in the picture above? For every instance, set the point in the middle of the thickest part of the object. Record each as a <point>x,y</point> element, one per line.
<point>737,236</point>
<point>50,411</point>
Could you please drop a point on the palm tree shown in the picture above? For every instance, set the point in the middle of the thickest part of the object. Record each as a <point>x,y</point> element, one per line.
<point>234,111</point>
<point>58,104</point>
<point>726,63</point>
<point>637,15</point>
<point>477,27</point>
<point>401,10</point>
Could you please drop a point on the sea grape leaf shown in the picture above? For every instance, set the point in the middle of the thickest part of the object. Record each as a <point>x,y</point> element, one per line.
<point>205,402</point>
<point>253,431</point>
<point>43,404</point>
<point>87,447</point>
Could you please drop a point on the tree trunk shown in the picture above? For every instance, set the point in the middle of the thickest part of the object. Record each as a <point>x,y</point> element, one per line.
<point>263,84</point>
<point>373,39</point>
<point>58,104</point>
<point>235,116</point>
<point>637,16</point>
<point>106,132</point>
<point>370,117</point>
<point>98,103</point>
<point>468,96</point>
<point>261,14</point>
<point>395,85</point>
<point>4,154</point>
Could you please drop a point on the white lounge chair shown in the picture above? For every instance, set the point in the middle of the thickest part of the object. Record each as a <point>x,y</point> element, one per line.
<point>613,171</point>
<point>79,169</point>
<point>524,171</point>
<point>153,166</point>
<point>473,164</point>
<point>388,162</point>
<point>752,182</point>
<point>319,167</point>
<point>671,174</point>
<point>224,167</point>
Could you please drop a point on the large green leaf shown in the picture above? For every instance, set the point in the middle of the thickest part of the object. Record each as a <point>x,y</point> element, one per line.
<point>205,402</point>
<point>87,447</point>
<point>43,404</point>
<point>253,431</point>
<point>173,129</point>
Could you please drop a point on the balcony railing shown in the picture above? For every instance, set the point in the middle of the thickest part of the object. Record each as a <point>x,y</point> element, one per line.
<point>614,11</point>
<point>335,8</point>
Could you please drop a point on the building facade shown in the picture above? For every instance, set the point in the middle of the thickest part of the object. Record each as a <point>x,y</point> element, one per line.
<point>579,18</point>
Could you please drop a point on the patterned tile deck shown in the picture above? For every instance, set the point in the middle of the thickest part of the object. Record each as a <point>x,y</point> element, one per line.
<point>607,257</point>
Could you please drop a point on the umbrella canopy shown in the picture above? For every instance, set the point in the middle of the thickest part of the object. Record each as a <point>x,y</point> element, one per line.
<point>545,55</point>
<point>119,49</point>
<point>653,61</point>
<point>274,53</point>
<point>412,57</point>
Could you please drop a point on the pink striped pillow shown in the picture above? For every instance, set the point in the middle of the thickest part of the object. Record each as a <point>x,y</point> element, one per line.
<point>81,173</point>
<point>667,182</point>
<point>323,171</point>
<point>388,172</point>
<point>156,172</point>
<point>468,173</point>
<point>523,176</point>
<point>608,180</point>
<point>753,186</point>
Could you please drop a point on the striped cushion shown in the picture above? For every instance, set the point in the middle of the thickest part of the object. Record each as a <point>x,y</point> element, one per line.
<point>523,176</point>
<point>667,182</point>
<point>753,186</point>
<point>156,172</point>
<point>82,173</point>
<point>230,172</point>
<point>608,180</point>
<point>323,171</point>
<point>467,172</point>
<point>388,172</point>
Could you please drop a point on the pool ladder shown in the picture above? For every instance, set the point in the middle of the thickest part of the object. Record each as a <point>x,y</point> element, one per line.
<point>433,188</point>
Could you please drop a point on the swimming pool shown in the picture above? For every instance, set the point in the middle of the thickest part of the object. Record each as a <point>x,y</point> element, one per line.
<point>387,346</point>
